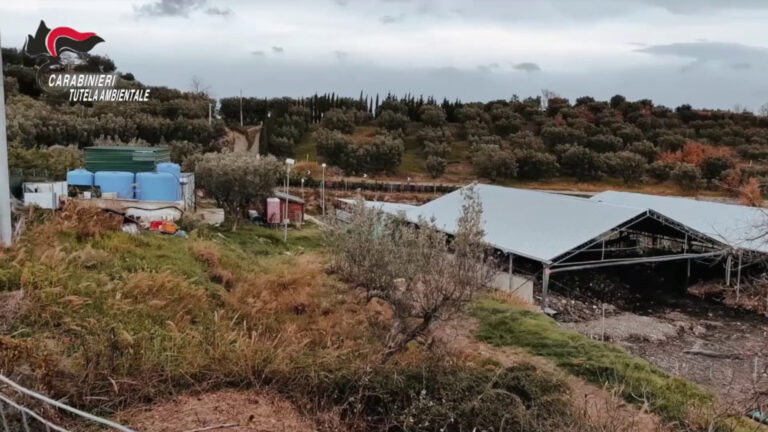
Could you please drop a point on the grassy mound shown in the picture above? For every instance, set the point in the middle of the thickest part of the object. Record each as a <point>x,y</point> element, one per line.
<point>113,320</point>
<point>639,381</point>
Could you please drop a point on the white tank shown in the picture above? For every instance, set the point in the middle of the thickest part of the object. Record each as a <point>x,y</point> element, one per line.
<point>273,210</point>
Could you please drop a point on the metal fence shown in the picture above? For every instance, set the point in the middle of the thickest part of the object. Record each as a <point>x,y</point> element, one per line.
<point>15,417</point>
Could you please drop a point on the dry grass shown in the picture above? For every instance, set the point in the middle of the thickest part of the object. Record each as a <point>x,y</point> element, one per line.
<point>114,321</point>
<point>247,410</point>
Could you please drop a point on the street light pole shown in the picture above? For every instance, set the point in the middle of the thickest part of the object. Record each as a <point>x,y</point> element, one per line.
<point>322,189</point>
<point>241,107</point>
<point>288,163</point>
<point>5,188</point>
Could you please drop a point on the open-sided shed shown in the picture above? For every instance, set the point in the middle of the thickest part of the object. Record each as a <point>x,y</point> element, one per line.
<point>558,233</point>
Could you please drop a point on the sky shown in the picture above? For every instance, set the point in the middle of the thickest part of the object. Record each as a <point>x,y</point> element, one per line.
<point>706,53</point>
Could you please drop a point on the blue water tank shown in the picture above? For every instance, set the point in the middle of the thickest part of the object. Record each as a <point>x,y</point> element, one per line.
<point>157,186</point>
<point>80,177</point>
<point>174,169</point>
<point>115,181</point>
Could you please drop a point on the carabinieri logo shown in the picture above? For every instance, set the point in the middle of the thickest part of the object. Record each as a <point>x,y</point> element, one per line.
<point>64,48</point>
<point>51,43</point>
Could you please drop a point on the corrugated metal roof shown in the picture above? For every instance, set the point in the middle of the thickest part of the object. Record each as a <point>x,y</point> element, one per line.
<point>386,207</point>
<point>738,226</point>
<point>536,225</point>
<point>125,158</point>
<point>289,197</point>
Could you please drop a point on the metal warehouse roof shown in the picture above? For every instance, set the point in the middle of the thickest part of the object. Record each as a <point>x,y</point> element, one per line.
<point>738,226</point>
<point>537,225</point>
<point>386,207</point>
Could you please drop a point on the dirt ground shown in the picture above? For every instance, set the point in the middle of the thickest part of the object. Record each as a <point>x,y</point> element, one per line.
<point>227,410</point>
<point>723,349</point>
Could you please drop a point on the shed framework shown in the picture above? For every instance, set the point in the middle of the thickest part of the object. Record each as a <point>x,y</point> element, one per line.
<point>558,233</point>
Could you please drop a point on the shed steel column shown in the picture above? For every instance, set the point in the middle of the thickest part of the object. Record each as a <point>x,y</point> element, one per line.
<point>738,278</point>
<point>511,258</point>
<point>545,288</point>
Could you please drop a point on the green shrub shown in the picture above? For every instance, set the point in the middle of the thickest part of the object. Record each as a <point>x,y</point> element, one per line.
<point>492,162</point>
<point>712,167</point>
<point>434,134</point>
<point>338,120</point>
<point>432,115</point>
<point>645,149</point>
<point>391,120</point>
<point>438,397</point>
<point>604,143</point>
<point>688,177</point>
<point>238,181</point>
<point>533,165</point>
<point>661,171</point>
<point>583,163</point>
<point>332,144</point>
<point>628,166</point>
<point>436,166</point>
<point>437,149</point>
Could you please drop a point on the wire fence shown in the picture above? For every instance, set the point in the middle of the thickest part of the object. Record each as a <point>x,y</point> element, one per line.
<point>16,417</point>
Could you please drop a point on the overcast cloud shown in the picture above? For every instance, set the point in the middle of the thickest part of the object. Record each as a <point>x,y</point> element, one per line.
<point>703,52</point>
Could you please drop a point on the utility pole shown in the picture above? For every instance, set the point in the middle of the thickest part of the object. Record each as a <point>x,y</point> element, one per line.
<point>322,189</point>
<point>210,117</point>
<point>5,187</point>
<point>241,107</point>
<point>288,165</point>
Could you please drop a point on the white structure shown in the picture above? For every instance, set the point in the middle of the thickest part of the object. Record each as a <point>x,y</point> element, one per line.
<point>44,194</point>
<point>740,227</point>
<point>557,233</point>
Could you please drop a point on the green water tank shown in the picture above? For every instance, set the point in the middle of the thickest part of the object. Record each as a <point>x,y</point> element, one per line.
<point>125,158</point>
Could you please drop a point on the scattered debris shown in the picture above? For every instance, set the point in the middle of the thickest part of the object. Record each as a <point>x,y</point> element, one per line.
<point>626,326</point>
<point>713,354</point>
<point>164,227</point>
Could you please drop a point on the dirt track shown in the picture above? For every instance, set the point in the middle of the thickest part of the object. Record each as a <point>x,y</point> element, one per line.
<point>714,346</point>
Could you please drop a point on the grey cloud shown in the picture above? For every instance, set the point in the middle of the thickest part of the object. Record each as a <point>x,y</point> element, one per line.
<point>659,83</point>
<point>177,8</point>
<point>527,67</point>
<point>278,49</point>
<point>258,53</point>
<point>741,66</point>
<point>488,67</point>
<point>683,7</point>
<point>390,19</point>
<point>554,11</point>
<point>709,51</point>
<point>225,12</point>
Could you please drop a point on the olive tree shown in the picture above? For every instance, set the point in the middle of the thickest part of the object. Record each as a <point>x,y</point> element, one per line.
<point>336,119</point>
<point>416,270</point>
<point>688,177</point>
<point>432,115</point>
<point>628,166</point>
<point>237,181</point>
<point>436,165</point>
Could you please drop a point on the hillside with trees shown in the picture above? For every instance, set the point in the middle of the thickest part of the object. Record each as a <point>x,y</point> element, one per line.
<point>532,139</point>
<point>535,140</point>
<point>46,132</point>
<point>369,325</point>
